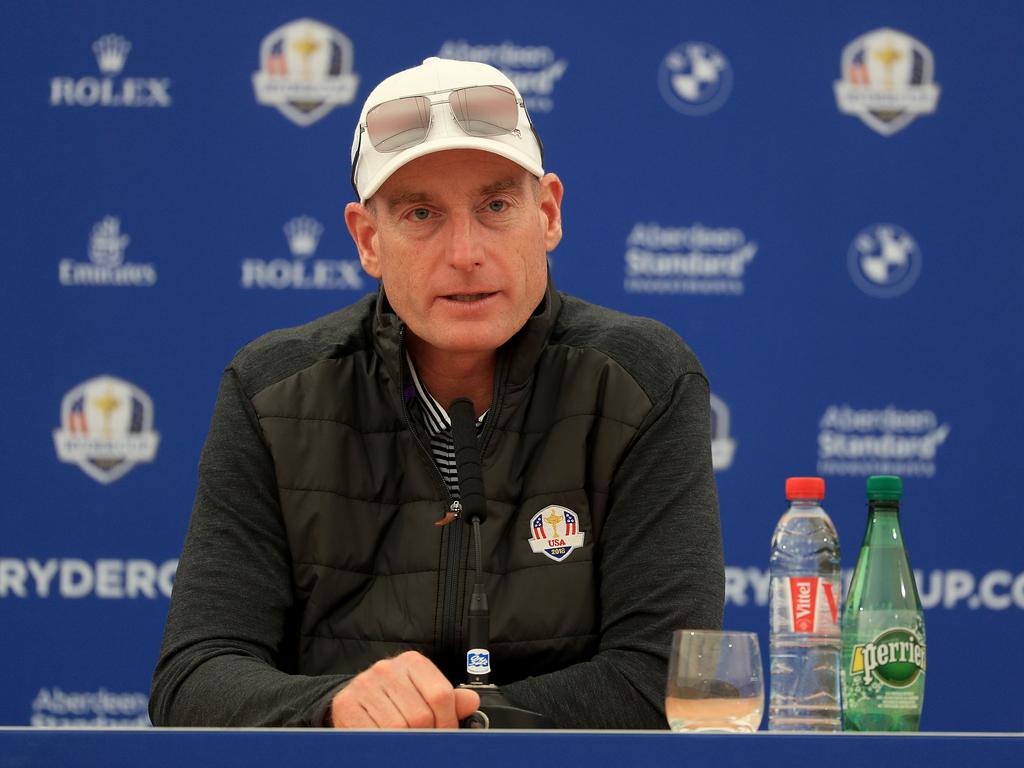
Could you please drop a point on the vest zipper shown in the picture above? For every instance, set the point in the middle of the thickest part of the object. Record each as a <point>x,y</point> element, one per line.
<point>496,397</point>
<point>452,532</point>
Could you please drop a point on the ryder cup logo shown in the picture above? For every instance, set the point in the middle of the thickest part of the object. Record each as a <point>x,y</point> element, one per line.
<point>534,69</point>
<point>723,447</point>
<point>303,236</point>
<point>887,80</point>
<point>106,265</point>
<point>695,78</point>
<point>884,261</point>
<point>111,52</point>
<point>555,532</point>
<point>305,71</point>
<point>106,428</point>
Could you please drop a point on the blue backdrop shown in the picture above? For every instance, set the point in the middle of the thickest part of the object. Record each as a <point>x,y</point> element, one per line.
<point>822,199</point>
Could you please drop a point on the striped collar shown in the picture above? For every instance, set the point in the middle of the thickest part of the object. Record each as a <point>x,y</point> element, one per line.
<point>435,418</point>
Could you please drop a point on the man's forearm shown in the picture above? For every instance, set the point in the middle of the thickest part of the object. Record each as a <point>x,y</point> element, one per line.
<point>210,686</point>
<point>232,595</point>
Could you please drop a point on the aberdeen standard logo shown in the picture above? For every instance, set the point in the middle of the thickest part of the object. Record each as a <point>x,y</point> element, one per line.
<point>879,441</point>
<point>535,69</point>
<point>695,78</point>
<point>686,260</point>
<point>884,261</point>
<point>887,80</point>
<point>305,71</point>
<point>106,428</point>
<point>110,90</point>
<point>555,532</point>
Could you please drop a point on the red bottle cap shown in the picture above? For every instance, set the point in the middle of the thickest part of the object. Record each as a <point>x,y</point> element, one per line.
<point>805,488</point>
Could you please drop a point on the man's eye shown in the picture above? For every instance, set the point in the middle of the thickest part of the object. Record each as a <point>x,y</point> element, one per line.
<point>497,206</point>
<point>421,214</point>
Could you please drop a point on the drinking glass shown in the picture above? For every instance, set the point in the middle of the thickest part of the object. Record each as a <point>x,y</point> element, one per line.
<point>715,682</point>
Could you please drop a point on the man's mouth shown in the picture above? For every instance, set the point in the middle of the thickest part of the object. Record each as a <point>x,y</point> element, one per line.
<point>468,297</point>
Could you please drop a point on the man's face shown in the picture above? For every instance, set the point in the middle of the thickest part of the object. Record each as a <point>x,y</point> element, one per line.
<point>460,240</point>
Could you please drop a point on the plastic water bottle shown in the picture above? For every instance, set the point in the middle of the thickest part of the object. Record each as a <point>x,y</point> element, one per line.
<point>804,645</point>
<point>883,624</point>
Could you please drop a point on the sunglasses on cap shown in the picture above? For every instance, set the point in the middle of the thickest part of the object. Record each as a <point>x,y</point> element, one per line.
<point>480,110</point>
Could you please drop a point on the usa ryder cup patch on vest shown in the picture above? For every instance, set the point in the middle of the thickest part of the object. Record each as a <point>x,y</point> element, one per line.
<point>555,532</point>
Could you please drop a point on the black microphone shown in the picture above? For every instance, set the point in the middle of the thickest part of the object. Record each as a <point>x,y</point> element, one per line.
<point>474,509</point>
<point>495,711</point>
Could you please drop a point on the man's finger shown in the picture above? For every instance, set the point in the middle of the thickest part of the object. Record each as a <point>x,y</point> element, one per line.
<point>347,712</point>
<point>384,710</point>
<point>433,687</point>
<point>466,702</point>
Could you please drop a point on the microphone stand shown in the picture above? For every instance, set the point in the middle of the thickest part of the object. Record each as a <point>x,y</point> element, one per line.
<point>495,710</point>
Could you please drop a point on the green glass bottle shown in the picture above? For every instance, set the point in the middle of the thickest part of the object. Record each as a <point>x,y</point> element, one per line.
<point>883,625</point>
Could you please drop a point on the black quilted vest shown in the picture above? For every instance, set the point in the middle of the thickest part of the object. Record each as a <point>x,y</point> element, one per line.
<point>359,492</point>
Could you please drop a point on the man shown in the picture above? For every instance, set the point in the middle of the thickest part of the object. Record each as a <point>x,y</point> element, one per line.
<point>323,580</point>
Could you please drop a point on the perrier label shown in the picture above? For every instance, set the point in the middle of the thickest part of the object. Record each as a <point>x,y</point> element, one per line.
<point>895,658</point>
<point>884,653</point>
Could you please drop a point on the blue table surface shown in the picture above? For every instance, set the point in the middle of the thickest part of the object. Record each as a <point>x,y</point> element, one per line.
<point>275,747</point>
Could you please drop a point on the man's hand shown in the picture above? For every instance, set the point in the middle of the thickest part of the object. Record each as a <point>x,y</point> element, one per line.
<point>407,691</point>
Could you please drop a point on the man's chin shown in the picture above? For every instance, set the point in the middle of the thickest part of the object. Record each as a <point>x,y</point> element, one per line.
<point>468,341</point>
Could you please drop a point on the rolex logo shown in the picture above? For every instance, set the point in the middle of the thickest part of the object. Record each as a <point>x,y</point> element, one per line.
<point>303,233</point>
<point>111,52</point>
<point>303,236</point>
<point>110,88</point>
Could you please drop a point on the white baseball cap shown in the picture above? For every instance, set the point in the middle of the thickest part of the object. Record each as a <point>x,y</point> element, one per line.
<point>435,77</point>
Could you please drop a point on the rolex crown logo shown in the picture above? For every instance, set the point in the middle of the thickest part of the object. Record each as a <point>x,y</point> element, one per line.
<point>303,233</point>
<point>111,52</point>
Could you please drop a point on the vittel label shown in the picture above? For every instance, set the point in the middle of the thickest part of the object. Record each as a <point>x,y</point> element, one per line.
<point>812,603</point>
<point>895,658</point>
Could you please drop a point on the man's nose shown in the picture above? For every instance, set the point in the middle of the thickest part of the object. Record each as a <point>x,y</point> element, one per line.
<point>464,249</point>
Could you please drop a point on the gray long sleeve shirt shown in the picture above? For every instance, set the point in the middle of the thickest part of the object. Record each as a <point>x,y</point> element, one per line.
<point>310,551</point>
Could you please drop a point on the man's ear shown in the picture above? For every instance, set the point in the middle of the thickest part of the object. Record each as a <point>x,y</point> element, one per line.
<point>550,203</point>
<point>362,225</point>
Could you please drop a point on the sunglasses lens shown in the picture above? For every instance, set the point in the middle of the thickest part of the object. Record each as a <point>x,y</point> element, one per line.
<point>485,110</point>
<point>398,124</point>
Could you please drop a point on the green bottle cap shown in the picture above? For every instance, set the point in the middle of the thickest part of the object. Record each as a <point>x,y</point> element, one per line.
<point>885,488</point>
